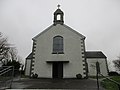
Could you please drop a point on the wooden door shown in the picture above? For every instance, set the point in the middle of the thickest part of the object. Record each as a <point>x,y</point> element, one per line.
<point>57,70</point>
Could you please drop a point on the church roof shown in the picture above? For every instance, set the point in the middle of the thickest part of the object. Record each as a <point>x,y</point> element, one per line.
<point>58,11</point>
<point>69,28</point>
<point>58,22</point>
<point>30,56</point>
<point>95,54</point>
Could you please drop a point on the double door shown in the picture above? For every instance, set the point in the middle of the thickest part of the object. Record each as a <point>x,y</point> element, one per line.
<point>57,70</point>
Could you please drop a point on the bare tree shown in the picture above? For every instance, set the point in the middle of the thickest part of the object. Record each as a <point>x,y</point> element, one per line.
<point>4,49</point>
<point>13,54</point>
<point>117,63</point>
<point>20,59</point>
<point>7,51</point>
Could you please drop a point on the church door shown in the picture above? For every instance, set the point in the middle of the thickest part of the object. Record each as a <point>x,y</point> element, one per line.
<point>57,70</point>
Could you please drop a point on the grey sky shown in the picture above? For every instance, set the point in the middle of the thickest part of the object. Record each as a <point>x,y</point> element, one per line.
<point>98,20</point>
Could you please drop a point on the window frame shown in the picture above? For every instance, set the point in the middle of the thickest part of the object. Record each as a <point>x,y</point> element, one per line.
<point>58,45</point>
<point>58,17</point>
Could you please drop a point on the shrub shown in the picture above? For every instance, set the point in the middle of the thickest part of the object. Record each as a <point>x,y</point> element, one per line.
<point>113,73</point>
<point>79,76</point>
<point>35,75</point>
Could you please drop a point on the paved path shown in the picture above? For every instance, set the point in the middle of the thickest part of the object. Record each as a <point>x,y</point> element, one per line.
<point>84,84</point>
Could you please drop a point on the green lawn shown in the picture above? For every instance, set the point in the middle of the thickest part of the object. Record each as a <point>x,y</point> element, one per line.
<point>108,85</point>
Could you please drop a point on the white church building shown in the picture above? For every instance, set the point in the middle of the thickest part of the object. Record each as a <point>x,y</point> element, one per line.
<point>59,52</point>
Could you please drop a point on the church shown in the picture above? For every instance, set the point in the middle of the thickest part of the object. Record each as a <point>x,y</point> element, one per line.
<point>59,52</point>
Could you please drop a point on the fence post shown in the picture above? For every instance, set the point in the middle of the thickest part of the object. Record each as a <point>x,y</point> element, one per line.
<point>12,76</point>
<point>118,86</point>
<point>97,72</point>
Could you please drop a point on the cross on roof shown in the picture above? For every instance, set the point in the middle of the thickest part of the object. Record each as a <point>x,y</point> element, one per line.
<point>58,6</point>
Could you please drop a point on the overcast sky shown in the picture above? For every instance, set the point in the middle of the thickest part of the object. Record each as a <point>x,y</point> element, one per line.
<point>98,20</point>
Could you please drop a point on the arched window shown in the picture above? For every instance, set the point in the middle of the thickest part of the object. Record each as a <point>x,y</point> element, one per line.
<point>58,17</point>
<point>58,45</point>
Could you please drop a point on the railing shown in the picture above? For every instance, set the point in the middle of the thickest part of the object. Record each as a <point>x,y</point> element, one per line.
<point>99,73</point>
<point>6,76</point>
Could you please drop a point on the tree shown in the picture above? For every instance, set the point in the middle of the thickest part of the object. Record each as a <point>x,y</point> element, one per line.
<point>14,63</point>
<point>8,53</point>
<point>13,53</point>
<point>4,49</point>
<point>117,63</point>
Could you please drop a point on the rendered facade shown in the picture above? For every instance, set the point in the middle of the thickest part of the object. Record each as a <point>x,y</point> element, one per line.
<point>59,52</point>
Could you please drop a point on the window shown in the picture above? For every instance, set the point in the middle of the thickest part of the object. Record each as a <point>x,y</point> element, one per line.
<point>58,45</point>
<point>58,17</point>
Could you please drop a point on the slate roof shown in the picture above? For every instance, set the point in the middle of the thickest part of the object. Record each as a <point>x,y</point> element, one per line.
<point>30,56</point>
<point>58,11</point>
<point>95,54</point>
<point>89,54</point>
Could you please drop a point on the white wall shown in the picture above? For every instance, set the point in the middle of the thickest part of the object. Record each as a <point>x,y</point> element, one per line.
<point>27,67</point>
<point>72,53</point>
<point>1,64</point>
<point>92,66</point>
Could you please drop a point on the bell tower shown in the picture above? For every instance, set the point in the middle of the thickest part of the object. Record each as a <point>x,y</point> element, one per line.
<point>58,16</point>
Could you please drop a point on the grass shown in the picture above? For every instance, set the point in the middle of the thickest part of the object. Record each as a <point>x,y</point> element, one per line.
<point>108,85</point>
<point>94,77</point>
